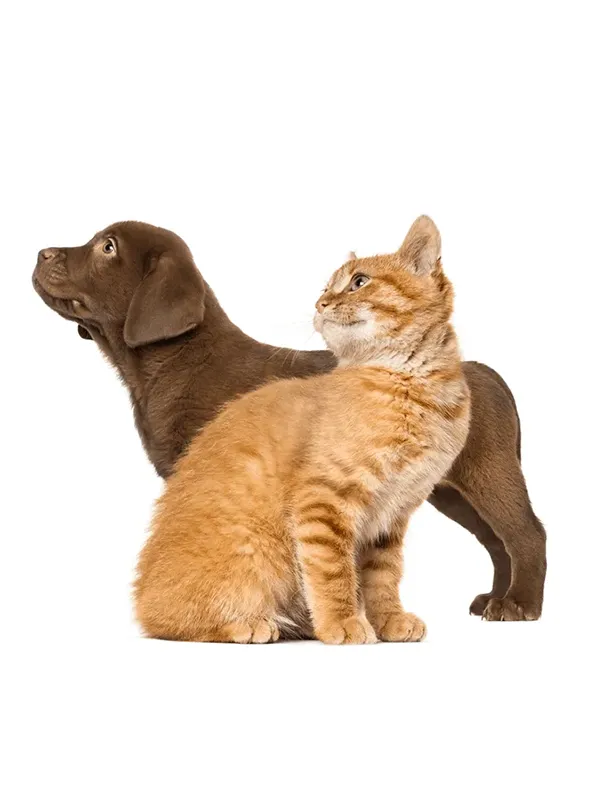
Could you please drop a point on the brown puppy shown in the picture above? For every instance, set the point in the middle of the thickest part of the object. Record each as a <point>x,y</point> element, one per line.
<point>135,290</point>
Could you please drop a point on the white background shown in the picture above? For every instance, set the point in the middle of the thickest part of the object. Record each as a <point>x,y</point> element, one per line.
<point>274,137</point>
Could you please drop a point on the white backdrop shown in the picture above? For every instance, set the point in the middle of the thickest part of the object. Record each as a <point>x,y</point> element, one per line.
<point>274,137</point>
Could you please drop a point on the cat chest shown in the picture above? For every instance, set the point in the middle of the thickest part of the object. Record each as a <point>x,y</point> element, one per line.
<point>402,490</point>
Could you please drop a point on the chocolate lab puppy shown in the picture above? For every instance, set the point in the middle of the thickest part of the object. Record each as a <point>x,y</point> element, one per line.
<point>135,290</point>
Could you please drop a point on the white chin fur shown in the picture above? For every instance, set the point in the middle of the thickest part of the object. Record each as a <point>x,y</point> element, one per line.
<point>343,338</point>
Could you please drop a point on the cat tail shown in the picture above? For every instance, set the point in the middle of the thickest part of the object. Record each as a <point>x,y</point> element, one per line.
<point>294,628</point>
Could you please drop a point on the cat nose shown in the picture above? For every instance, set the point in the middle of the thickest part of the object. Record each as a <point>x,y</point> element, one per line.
<point>322,304</point>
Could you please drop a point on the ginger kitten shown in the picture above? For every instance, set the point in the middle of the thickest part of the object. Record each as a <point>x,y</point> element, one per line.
<point>287,514</point>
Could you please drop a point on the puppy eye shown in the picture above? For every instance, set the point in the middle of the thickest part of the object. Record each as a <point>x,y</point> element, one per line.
<point>109,246</point>
<point>357,282</point>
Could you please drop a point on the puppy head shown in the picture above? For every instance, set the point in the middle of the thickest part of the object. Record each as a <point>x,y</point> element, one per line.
<point>131,277</point>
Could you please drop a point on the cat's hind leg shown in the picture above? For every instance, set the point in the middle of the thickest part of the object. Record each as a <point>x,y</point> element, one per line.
<point>381,565</point>
<point>225,588</point>
<point>177,618</point>
<point>258,631</point>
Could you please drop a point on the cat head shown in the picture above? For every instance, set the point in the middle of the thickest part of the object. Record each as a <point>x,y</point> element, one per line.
<point>386,302</point>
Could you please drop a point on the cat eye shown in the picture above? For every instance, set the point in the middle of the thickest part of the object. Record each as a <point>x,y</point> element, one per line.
<point>109,247</point>
<point>357,282</point>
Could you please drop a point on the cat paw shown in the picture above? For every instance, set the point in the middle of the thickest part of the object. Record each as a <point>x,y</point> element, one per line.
<point>400,627</point>
<point>260,631</point>
<point>353,630</point>
<point>265,630</point>
<point>507,609</point>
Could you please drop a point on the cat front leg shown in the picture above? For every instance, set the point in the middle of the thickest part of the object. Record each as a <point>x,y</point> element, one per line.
<point>381,572</point>
<point>326,553</point>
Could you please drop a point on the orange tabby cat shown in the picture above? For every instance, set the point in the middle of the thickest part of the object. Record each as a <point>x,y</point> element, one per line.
<point>287,514</point>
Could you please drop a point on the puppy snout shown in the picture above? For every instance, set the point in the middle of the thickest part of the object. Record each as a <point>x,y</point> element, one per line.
<point>48,254</point>
<point>51,267</point>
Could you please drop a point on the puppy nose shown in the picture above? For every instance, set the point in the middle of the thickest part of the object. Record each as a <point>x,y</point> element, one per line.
<point>48,254</point>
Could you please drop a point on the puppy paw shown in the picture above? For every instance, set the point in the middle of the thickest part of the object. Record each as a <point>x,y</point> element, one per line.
<point>507,609</point>
<point>352,630</point>
<point>400,627</point>
<point>478,606</point>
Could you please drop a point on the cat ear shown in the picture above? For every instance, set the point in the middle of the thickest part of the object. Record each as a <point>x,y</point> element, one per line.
<point>350,256</point>
<point>421,249</point>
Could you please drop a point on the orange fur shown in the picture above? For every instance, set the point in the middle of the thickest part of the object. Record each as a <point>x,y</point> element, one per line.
<point>287,514</point>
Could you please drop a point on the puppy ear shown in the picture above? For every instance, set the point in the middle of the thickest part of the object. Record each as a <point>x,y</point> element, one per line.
<point>169,301</point>
<point>421,249</point>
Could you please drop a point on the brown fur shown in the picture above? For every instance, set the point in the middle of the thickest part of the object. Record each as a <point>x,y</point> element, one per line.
<point>179,382</point>
<point>291,506</point>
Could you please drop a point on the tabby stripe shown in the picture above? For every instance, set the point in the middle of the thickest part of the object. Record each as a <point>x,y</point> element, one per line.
<point>320,540</point>
<point>398,285</point>
<point>390,311</point>
<point>320,511</point>
<point>331,525</point>
<point>327,483</point>
<point>347,490</point>
<point>333,573</point>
